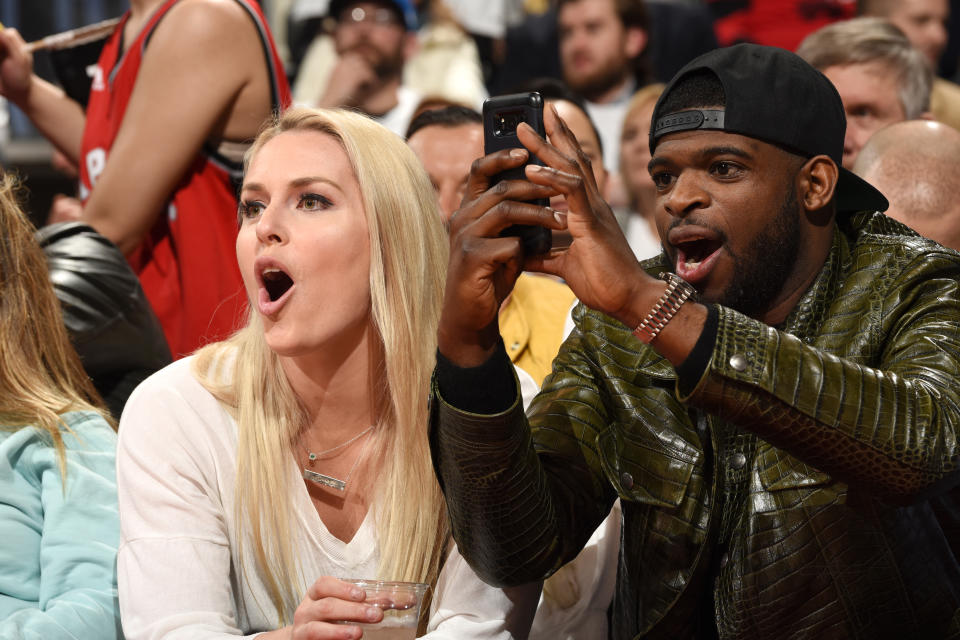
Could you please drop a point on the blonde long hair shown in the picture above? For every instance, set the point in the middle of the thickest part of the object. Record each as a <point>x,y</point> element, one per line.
<point>408,255</point>
<point>41,376</point>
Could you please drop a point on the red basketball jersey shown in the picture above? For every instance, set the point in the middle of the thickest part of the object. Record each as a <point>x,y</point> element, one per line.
<point>187,262</point>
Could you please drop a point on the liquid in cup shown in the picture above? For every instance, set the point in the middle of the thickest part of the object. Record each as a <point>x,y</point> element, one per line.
<point>400,602</point>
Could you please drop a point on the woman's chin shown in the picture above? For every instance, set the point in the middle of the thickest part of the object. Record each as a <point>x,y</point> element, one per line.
<point>285,345</point>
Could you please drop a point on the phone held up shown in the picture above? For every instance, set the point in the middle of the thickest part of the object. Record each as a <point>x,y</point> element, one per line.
<point>501,115</point>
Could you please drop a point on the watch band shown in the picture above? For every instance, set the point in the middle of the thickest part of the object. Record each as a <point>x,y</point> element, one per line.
<point>677,292</point>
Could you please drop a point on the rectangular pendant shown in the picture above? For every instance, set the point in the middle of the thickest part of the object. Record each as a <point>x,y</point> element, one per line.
<point>329,481</point>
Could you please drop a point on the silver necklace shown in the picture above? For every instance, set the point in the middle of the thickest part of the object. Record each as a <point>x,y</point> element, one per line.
<point>331,481</point>
<point>314,456</point>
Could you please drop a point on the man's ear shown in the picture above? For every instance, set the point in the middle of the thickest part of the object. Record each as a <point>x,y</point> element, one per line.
<point>817,182</point>
<point>634,42</point>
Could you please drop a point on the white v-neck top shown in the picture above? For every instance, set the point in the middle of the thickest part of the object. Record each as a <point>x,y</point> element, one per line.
<point>178,562</point>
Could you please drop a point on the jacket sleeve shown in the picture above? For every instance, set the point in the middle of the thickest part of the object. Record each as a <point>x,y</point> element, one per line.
<point>888,426</point>
<point>519,511</point>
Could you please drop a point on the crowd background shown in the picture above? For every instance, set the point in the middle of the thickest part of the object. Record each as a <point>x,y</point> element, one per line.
<point>512,40</point>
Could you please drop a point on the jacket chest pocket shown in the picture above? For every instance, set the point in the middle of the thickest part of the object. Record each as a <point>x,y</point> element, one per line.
<point>647,465</point>
<point>777,470</point>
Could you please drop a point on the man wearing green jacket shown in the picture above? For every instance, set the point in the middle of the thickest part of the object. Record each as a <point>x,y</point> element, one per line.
<point>774,398</point>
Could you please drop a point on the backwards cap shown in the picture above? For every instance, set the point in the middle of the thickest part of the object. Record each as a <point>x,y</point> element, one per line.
<point>775,96</point>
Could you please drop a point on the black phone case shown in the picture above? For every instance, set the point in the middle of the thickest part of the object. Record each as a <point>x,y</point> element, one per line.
<point>501,115</point>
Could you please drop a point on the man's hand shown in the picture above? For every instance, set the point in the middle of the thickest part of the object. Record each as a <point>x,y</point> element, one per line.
<point>484,266</point>
<point>351,78</point>
<point>16,67</point>
<point>599,265</point>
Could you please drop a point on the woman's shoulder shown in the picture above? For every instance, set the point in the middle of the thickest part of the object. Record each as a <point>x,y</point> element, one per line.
<point>84,426</point>
<point>88,430</point>
<point>172,400</point>
<point>177,379</point>
<point>30,450</point>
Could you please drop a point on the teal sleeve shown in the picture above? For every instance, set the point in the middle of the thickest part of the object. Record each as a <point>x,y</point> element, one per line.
<point>75,561</point>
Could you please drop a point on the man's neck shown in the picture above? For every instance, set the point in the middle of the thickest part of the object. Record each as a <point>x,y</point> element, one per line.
<point>808,266</point>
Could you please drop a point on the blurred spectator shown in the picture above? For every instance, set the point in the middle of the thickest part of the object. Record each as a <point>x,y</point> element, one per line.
<point>602,44</point>
<point>923,21</point>
<point>533,318</point>
<point>58,496</point>
<point>35,20</point>
<point>159,148</point>
<point>447,140</point>
<point>373,41</point>
<point>437,61</point>
<point>777,23</point>
<point>915,165</point>
<point>637,219</point>
<point>880,76</point>
<point>110,323</point>
<point>29,153</point>
<point>925,24</point>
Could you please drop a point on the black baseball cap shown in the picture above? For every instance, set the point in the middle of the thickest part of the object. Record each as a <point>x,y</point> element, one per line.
<point>775,96</point>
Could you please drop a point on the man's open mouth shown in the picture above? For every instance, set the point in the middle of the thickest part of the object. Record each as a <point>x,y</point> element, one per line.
<point>693,252</point>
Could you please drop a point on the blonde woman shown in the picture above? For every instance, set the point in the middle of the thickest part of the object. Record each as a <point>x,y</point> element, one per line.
<point>58,500</point>
<point>258,471</point>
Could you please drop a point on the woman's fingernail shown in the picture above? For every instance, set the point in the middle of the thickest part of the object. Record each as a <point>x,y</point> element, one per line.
<point>536,168</point>
<point>518,153</point>
<point>560,217</point>
<point>373,613</point>
<point>357,594</point>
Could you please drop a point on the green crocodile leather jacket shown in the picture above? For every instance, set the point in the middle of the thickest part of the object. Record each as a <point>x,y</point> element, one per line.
<point>853,405</point>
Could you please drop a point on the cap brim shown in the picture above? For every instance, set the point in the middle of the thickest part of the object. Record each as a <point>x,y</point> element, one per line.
<point>856,194</point>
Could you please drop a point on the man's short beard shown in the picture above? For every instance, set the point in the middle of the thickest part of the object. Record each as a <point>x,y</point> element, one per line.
<point>762,271</point>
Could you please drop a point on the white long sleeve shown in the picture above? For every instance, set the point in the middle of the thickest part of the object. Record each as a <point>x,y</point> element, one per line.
<point>179,575</point>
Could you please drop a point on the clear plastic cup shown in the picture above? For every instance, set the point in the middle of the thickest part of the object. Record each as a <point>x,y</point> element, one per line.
<point>400,602</point>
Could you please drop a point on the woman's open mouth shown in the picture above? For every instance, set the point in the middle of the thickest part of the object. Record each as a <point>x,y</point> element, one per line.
<point>276,286</point>
<point>276,282</point>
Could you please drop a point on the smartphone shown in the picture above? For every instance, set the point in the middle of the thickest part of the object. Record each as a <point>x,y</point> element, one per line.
<point>501,115</point>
